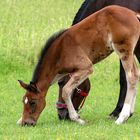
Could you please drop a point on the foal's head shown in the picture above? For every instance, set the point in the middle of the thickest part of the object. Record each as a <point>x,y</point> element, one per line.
<point>34,99</point>
<point>33,103</point>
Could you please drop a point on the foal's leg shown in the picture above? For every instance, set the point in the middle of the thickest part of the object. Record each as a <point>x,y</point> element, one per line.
<point>134,97</point>
<point>76,79</point>
<point>137,53</point>
<point>132,80</point>
<point>76,98</point>
<point>123,86</point>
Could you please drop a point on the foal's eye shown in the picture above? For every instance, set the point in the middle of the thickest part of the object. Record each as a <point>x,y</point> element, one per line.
<point>32,103</point>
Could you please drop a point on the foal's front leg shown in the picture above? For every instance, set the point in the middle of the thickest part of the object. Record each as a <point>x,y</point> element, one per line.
<point>76,79</point>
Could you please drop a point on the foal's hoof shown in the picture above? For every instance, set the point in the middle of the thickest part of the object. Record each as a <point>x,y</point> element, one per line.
<point>124,115</point>
<point>118,121</point>
<point>74,116</point>
<point>122,119</point>
<point>80,121</point>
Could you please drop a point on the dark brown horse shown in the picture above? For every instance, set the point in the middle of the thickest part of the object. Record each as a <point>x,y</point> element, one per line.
<point>88,7</point>
<point>73,51</point>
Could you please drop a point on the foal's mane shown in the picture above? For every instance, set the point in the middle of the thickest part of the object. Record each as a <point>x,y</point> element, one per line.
<point>43,52</point>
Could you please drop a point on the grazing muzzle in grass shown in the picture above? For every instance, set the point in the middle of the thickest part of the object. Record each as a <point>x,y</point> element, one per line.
<point>28,122</point>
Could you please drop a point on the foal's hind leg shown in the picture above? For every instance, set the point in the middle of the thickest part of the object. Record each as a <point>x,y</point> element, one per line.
<point>137,53</point>
<point>132,80</point>
<point>123,86</point>
<point>134,97</point>
<point>76,79</point>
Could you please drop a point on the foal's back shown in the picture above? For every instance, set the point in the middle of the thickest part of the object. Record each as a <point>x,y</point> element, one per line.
<point>98,33</point>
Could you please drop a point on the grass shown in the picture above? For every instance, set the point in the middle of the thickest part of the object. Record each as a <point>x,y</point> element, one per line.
<point>25,26</point>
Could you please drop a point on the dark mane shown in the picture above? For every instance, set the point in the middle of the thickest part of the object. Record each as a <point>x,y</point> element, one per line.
<point>44,51</point>
<point>80,12</point>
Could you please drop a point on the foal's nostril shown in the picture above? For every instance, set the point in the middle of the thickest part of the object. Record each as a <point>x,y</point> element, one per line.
<point>29,122</point>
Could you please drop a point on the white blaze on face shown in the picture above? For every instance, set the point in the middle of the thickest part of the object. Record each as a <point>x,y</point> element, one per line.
<point>26,100</point>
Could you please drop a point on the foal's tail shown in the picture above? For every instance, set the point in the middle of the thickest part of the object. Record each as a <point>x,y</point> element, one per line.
<point>138,16</point>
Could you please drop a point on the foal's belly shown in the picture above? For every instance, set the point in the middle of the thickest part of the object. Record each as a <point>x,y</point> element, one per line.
<point>101,53</point>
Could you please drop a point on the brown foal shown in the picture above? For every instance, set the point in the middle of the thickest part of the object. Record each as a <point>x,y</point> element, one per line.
<point>113,28</point>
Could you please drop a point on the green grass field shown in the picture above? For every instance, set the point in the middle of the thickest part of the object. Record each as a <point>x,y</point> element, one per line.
<point>25,25</point>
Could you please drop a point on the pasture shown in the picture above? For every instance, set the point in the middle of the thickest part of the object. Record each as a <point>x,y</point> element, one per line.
<point>24,28</point>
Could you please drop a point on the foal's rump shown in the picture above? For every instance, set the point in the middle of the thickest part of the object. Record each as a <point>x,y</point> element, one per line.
<point>123,24</point>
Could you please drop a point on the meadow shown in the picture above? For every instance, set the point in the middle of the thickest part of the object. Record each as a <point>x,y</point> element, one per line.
<point>25,26</point>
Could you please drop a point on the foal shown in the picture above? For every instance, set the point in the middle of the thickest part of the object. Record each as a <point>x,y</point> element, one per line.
<point>113,28</point>
<point>91,6</point>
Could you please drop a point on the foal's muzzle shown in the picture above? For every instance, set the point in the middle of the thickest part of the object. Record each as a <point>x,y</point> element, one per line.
<point>28,122</point>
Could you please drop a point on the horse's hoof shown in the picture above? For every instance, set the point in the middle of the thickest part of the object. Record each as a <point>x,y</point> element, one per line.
<point>114,114</point>
<point>131,114</point>
<point>112,117</point>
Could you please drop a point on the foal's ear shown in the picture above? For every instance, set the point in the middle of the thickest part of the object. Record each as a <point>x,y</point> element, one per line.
<point>30,87</point>
<point>25,86</point>
<point>34,87</point>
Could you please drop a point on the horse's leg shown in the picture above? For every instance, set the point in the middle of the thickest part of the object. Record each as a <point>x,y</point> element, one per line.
<point>137,51</point>
<point>76,79</point>
<point>132,76</point>
<point>123,89</point>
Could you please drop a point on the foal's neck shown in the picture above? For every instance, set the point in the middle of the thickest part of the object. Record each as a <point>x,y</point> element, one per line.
<point>48,70</point>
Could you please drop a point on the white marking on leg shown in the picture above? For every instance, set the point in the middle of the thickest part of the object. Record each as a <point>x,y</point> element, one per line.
<point>124,115</point>
<point>26,100</point>
<point>72,113</point>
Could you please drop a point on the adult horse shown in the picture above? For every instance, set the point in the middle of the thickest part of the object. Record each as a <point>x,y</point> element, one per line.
<point>73,51</point>
<point>88,7</point>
